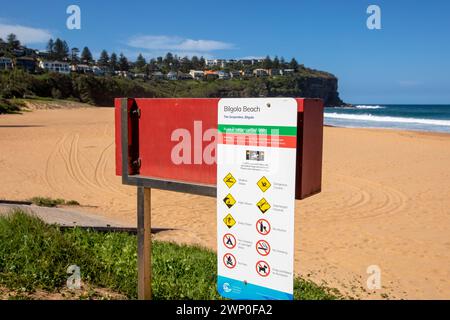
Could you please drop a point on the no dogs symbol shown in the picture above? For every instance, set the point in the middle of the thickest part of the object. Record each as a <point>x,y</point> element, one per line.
<point>262,268</point>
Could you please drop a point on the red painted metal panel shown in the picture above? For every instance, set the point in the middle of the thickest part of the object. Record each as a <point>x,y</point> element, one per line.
<point>165,123</point>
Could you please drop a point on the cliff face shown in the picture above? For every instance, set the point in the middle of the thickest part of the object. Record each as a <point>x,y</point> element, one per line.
<point>321,87</point>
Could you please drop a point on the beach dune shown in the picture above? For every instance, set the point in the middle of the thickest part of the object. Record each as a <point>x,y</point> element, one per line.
<point>384,201</point>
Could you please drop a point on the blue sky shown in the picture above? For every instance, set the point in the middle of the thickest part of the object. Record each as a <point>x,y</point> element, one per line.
<point>407,61</point>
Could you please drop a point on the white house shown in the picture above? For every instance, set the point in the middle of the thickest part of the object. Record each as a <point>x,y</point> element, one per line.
<point>55,66</point>
<point>82,68</point>
<point>216,63</point>
<point>224,75</point>
<point>260,73</point>
<point>172,75</point>
<point>197,74</point>
<point>5,63</point>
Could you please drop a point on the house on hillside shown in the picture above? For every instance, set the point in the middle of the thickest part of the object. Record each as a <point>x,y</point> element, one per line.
<point>216,63</point>
<point>82,68</point>
<point>55,66</point>
<point>223,75</point>
<point>275,72</point>
<point>197,74</point>
<point>5,63</point>
<point>246,73</point>
<point>234,74</point>
<point>288,71</point>
<point>184,76</point>
<point>157,75</point>
<point>260,73</point>
<point>27,64</point>
<point>211,75</point>
<point>246,62</point>
<point>172,75</point>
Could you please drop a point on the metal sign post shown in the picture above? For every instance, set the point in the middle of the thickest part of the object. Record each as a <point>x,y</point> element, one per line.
<point>144,243</point>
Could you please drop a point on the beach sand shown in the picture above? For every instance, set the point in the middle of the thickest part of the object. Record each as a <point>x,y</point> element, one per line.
<point>385,198</point>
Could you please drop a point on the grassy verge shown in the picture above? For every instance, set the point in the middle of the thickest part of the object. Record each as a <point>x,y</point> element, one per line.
<point>6,106</point>
<point>34,255</point>
<point>49,202</point>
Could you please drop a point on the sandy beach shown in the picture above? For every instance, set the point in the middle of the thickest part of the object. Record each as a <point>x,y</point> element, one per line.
<point>385,198</point>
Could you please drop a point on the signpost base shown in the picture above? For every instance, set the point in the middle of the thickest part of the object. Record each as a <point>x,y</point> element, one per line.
<point>144,243</point>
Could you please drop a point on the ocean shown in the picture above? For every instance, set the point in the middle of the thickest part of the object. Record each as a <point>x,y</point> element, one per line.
<point>434,118</point>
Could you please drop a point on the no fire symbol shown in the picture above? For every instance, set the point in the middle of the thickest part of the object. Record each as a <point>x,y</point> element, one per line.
<point>263,226</point>
<point>263,247</point>
<point>229,241</point>
<point>229,260</point>
<point>262,268</point>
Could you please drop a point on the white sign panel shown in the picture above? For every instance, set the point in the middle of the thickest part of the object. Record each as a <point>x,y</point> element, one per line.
<point>256,159</point>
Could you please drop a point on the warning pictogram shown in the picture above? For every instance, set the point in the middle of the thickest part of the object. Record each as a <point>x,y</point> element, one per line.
<point>229,200</point>
<point>229,241</point>
<point>263,268</point>
<point>263,184</point>
<point>229,261</point>
<point>263,226</point>
<point>263,247</point>
<point>263,205</point>
<point>229,220</point>
<point>229,180</point>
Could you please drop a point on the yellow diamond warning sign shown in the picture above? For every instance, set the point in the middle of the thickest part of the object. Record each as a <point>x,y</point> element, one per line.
<point>229,220</point>
<point>229,180</point>
<point>263,184</point>
<point>263,205</point>
<point>229,200</point>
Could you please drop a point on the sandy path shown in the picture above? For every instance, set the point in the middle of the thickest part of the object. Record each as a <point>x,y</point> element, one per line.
<point>385,198</point>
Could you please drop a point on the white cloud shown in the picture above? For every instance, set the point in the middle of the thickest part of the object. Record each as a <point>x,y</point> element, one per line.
<point>178,44</point>
<point>25,34</point>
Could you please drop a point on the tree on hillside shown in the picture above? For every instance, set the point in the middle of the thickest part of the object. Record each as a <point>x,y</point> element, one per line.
<point>113,61</point>
<point>123,63</point>
<point>267,63</point>
<point>293,64</point>
<point>60,50</point>
<point>74,55</point>
<point>276,63</point>
<point>140,63</point>
<point>86,55</point>
<point>282,63</point>
<point>103,61</point>
<point>50,48</point>
<point>13,42</point>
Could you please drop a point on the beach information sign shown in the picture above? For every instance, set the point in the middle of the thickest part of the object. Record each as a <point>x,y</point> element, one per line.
<point>256,161</point>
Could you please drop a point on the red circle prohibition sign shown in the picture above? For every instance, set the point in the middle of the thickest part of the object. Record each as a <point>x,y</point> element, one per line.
<point>263,247</point>
<point>262,268</point>
<point>229,261</point>
<point>263,226</point>
<point>229,241</point>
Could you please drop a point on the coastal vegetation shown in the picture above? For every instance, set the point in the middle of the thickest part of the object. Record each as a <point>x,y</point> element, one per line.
<point>36,256</point>
<point>101,91</point>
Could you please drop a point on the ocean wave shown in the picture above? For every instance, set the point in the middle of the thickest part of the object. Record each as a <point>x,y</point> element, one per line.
<point>369,117</point>
<point>369,107</point>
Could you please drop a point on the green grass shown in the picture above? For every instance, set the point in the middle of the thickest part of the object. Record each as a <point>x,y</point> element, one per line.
<point>49,202</point>
<point>34,255</point>
<point>7,106</point>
